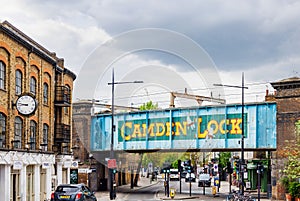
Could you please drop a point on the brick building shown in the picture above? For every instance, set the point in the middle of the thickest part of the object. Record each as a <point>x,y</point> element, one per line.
<point>287,97</point>
<point>35,117</point>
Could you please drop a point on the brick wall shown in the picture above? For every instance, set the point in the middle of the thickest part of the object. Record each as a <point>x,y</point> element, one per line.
<point>16,56</point>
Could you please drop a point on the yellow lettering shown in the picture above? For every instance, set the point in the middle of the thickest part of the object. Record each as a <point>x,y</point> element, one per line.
<point>144,126</point>
<point>136,131</point>
<point>169,128</point>
<point>221,126</point>
<point>129,125</point>
<point>180,128</point>
<point>209,126</point>
<point>151,130</point>
<point>235,126</point>
<point>201,135</point>
<point>160,129</point>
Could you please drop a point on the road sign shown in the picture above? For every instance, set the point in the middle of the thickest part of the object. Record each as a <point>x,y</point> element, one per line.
<point>112,163</point>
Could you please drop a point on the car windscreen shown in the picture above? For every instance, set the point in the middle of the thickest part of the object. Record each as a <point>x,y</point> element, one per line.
<point>204,177</point>
<point>67,189</point>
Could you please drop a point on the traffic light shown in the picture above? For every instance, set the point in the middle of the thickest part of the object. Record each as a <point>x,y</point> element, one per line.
<point>166,170</point>
<point>189,168</point>
<point>114,171</point>
<point>260,168</point>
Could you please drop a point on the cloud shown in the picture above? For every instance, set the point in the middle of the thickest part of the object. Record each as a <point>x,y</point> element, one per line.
<point>251,36</point>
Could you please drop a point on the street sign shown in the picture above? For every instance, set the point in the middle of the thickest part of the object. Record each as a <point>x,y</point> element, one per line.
<point>112,163</point>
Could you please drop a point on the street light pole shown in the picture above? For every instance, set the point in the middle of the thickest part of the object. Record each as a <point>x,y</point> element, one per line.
<point>243,135</point>
<point>112,193</point>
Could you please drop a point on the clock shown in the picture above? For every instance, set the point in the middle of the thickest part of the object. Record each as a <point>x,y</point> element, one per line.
<point>26,105</point>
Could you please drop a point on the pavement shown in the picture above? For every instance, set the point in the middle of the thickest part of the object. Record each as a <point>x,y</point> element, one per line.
<point>144,182</point>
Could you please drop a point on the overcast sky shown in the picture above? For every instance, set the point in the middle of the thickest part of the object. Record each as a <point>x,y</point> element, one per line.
<point>259,38</point>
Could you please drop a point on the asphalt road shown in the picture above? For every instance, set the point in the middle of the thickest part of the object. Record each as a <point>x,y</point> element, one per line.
<point>156,191</point>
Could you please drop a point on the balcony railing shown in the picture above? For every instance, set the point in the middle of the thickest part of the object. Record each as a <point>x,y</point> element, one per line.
<point>62,133</point>
<point>62,96</point>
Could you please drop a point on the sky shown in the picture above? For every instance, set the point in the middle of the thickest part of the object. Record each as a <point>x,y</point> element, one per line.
<point>157,41</point>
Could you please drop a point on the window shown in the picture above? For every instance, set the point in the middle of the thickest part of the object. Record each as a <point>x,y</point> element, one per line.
<point>67,98</point>
<point>2,75</point>
<point>32,135</point>
<point>45,137</point>
<point>18,133</point>
<point>45,94</point>
<point>33,85</point>
<point>18,82</point>
<point>2,129</point>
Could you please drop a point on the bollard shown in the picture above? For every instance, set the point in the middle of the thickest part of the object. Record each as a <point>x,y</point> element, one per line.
<point>172,193</point>
<point>214,190</point>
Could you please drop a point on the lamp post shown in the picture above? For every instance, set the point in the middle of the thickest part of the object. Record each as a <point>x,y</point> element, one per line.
<point>243,136</point>
<point>113,83</point>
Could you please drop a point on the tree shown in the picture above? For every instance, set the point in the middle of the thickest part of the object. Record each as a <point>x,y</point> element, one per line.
<point>224,158</point>
<point>149,106</point>
<point>146,106</point>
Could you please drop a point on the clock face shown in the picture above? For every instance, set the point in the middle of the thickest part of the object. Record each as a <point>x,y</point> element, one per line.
<point>26,104</point>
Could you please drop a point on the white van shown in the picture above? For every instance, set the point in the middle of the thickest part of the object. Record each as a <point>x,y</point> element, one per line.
<point>174,174</point>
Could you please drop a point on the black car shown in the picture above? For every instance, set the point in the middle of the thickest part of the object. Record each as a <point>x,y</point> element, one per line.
<point>73,192</point>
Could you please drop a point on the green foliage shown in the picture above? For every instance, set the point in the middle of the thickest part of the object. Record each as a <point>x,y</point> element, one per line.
<point>294,189</point>
<point>149,106</point>
<point>292,167</point>
<point>224,158</point>
<point>158,159</point>
<point>285,183</point>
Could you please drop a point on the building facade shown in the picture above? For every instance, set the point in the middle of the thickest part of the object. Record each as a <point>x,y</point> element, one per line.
<point>287,97</point>
<point>35,118</point>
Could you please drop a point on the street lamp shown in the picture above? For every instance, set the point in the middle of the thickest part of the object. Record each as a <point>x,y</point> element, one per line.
<point>113,83</point>
<point>243,136</point>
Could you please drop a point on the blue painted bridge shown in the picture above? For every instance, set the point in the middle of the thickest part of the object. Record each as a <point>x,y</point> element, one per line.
<point>208,128</point>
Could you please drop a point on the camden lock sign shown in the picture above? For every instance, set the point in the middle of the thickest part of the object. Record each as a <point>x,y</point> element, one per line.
<point>209,127</point>
<point>183,128</point>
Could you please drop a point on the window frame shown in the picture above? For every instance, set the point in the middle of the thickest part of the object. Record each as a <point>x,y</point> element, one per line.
<point>45,137</point>
<point>45,93</point>
<point>32,135</point>
<point>33,85</point>
<point>2,75</point>
<point>18,83</point>
<point>18,132</point>
<point>2,130</point>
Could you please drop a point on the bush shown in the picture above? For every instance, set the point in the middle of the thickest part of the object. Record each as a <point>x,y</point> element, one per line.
<point>294,189</point>
<point>285,183</point>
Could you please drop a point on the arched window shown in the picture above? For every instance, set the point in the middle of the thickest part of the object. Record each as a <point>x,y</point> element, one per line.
<point>18,82</point>
<point>45,93</point>
<point>32,135</point>
<point>2,130</point>
<point>2,75</point>
<point>45,137</point>
<point>33,85</point>
<point>18,133</point>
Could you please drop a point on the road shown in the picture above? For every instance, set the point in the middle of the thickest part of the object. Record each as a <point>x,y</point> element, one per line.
<point>155,191</point>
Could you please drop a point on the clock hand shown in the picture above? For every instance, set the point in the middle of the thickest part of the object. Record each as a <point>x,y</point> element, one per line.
<point>22,104</point>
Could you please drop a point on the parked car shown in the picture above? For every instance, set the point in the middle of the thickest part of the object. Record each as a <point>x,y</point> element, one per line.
<point>204,179</point>
<point>190,177</point>
<point>73,192</point>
